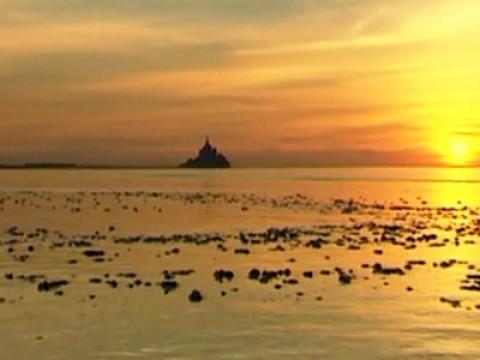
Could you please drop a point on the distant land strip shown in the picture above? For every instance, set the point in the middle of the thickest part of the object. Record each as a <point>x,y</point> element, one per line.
<point>43,166</point>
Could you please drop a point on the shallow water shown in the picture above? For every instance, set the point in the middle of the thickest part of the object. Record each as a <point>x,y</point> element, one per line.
<point>133,217</point>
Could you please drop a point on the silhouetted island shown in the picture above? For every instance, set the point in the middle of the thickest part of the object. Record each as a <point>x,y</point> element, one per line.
<point>208,158</point>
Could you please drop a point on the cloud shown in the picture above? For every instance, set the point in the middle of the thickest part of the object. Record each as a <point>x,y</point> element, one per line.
<point>383,135</point>
<point>344,157</point>
<point>289,77</point>
<point>328,45</point>
<point>473,132</point>
<point>80,66</point>
<point>223,11</point>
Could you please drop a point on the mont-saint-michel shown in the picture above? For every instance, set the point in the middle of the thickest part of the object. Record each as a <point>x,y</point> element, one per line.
<point>208,158</point>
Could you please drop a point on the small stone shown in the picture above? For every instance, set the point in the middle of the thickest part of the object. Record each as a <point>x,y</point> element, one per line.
<point>242,251</point>
<point>168,286</point>
<point>195,296</point>
<point>112,283</point>
<point>308,274</point>
<point>221,275</point>
<point>9,276</point>
<point>254,274</point>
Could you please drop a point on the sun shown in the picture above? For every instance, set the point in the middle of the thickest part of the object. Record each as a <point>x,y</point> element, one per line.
<point>459,152</point>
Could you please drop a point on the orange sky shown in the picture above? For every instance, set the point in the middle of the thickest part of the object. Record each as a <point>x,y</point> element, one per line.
<point>277,82</point>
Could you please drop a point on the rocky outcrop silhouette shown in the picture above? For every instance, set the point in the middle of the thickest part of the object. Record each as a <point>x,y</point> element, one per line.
<point>208,158</point>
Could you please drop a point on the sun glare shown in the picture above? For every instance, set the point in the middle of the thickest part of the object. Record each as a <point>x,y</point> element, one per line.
<point>460,153</point>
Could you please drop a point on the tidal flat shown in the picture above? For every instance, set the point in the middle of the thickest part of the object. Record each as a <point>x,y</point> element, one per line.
<point>365,264</point>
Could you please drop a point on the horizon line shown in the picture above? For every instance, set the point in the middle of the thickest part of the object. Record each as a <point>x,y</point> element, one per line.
<point>75,166</point>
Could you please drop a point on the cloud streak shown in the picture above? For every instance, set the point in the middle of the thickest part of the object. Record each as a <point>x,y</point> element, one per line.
<point>309,82</point>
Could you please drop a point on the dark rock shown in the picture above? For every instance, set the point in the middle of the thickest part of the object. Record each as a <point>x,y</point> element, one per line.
<point>452,302</point>
<point>447,263</point>
<point>79,243</point>
<point>343,277</point>
<point>112,283</point>
<point>308,274</point>
<point>221,275</point>
<point>379,269</point>
<point>9,276</point>
<point>470,287</point>
<point>291,281</point>
<point>169,286</point>
<point>51,285</point>
<point>242,251</point>
<point>128,275</point>
<point>195,296</point>
<point>173,273</point>
<point>254,274</point>
<point>267,276</point>
<point>316,243</point>
<point>94,253</point>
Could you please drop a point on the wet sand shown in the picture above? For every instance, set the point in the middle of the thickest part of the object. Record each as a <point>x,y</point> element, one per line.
<point>228,273</point>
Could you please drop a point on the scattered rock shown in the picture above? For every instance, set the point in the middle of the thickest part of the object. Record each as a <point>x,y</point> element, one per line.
<point>452,302</point>
<point>51,285</point>
<point>221,275</point>
<point>169,286</point>
<point>195,296</point>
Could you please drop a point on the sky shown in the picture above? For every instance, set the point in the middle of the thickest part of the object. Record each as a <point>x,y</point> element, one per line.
<point>272,82</point>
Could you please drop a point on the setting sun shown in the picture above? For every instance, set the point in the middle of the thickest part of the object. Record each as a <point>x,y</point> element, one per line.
<point>460,153</point>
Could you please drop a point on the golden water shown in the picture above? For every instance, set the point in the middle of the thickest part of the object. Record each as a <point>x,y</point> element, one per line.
<point>372,318</point>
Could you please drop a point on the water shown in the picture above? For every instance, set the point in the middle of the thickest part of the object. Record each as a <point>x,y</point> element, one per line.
<point>353,210</point>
